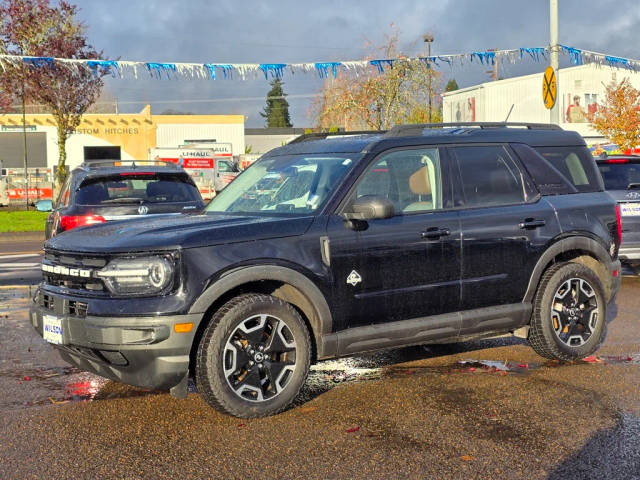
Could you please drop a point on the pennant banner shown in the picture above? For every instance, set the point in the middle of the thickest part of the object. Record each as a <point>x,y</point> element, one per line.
<point>214,71</point>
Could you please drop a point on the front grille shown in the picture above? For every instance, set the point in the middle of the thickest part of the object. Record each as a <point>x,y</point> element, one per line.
<point>71,261</point>
<point>62,306</point>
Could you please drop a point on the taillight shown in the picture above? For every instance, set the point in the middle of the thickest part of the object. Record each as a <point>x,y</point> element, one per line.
<point>618,160</point>
<point>69,222</point>
<point>618,224</point>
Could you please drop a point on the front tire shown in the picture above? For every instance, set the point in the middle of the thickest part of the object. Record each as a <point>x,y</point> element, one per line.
<point>253,357</point>
<point>569,313</point>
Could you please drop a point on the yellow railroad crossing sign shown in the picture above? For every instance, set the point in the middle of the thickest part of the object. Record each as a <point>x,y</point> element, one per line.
<point>549,88</point>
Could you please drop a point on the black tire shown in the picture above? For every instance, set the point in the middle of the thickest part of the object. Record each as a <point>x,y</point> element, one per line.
<point>555,335</point>
<point>222,349</point>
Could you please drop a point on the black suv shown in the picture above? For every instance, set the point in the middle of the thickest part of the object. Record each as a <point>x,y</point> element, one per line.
<point>412,236</point>
<point>106,190</point>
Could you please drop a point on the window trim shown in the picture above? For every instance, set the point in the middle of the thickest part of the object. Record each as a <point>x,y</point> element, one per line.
<point>445,174</point>
<point>527,185</point>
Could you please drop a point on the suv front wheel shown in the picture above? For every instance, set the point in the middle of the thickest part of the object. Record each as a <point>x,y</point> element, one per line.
<point>253,357</point>
<point>569,313</point>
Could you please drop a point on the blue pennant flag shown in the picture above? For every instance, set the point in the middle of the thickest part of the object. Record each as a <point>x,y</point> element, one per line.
<point>379,64</point>
<point>226,69</point>
<point>575,54</point>
<point>534,52</point>
<point>106,66</point>
<point>158,68</point>
<point>617,61</point>
<point>488,57</point>
<point>38,61</point>
<point>323,69</point>
<point>276,69</point>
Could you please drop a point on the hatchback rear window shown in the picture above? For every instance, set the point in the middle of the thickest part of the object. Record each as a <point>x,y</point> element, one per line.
<point>575,163</point>
<point>620,176</point>
<point>134,187</point>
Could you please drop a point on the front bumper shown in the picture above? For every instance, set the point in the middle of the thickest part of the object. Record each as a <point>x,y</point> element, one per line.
<point>139,351</point>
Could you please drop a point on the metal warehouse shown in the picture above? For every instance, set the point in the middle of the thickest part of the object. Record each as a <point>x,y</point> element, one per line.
<point>580,89</point>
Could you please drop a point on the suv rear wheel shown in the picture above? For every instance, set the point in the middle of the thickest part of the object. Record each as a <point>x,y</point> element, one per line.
<point>569,313</point>
<point>253,357</point>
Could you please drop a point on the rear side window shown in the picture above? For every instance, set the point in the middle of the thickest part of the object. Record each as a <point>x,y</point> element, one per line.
<point>620,176</point>
<point>576,164</point>
<point>137,188</point>
<point>489,177</point>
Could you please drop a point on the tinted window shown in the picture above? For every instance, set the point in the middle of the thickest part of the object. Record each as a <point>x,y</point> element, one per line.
<point>411,179</point>
<point>489,176</point>
<point>137,188</point>
<point>575,163</point>
<point>620,176</point>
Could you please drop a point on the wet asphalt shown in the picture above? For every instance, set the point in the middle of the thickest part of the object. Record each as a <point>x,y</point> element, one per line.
<point>484,409</point>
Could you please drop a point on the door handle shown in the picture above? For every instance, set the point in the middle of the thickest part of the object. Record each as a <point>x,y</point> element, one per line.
<point>434,233</point>
<point>530,223</point>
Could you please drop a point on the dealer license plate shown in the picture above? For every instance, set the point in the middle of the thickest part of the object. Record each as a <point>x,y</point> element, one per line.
<point>630,209</point>
<point>52,329</point>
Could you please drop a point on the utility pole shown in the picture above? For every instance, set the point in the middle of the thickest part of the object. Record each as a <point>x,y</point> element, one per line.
<point>553,48</point>
<point>24,137</point>
<point>428,39</point>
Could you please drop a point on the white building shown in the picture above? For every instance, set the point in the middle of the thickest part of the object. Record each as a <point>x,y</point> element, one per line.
<point>580,89</point>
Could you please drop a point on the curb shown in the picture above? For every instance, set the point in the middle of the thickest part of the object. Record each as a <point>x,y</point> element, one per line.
<point>6,237</point>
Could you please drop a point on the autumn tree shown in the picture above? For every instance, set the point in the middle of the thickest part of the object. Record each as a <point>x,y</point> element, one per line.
<point>618,118</point>
<point>276,111</point>
<point>378,100</point>
<point>38,28</point>
<point>451,86</point>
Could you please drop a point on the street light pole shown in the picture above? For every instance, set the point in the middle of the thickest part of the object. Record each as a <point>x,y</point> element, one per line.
<point>428,39</point>
<point>553,56</point>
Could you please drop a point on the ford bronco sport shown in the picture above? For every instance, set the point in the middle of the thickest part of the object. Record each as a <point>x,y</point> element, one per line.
<point>422,234</point>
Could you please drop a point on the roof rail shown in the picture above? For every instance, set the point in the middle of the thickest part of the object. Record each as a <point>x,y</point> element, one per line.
<point>417,129</point>
<point>90,164</point>
<point>322,135</point>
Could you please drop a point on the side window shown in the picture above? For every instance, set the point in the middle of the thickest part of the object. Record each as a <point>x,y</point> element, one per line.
<point>575,163</point>
<point>489,177</point>
<point>411,179</point>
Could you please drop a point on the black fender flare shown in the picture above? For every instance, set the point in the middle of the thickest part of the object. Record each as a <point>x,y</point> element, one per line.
<point>577,242</point>
<point>320,318</point>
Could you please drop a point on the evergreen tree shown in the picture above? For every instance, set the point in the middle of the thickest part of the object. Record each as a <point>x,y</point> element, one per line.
<point>451,85</point>
<point>276,112</point>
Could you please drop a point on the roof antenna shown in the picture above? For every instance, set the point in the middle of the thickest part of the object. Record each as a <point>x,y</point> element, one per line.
<point>509,114</point>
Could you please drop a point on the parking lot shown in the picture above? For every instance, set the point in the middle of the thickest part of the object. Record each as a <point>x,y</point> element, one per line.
<point>487,409</point>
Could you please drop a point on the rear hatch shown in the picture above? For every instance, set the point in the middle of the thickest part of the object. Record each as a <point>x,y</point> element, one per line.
<point>127,195</point>
<point>622,181</point>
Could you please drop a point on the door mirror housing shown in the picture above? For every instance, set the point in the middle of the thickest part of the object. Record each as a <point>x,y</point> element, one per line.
<point>44,205</point>
<point>369,207</point>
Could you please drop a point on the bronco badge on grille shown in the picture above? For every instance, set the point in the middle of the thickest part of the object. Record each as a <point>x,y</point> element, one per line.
<point>71,272</point>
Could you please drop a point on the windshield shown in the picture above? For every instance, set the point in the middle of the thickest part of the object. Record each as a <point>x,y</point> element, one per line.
<point>620,176</point>
<point>291,184</point>
<point>133,187</point>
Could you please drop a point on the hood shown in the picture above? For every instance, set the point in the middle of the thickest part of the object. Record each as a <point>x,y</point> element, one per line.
<point>172,232</point>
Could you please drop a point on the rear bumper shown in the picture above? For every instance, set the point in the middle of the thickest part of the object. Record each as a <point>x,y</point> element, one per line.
<point>140,351</point>
<point>629,252</point>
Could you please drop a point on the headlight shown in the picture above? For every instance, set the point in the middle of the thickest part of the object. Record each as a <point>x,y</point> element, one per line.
<point>142,276</point>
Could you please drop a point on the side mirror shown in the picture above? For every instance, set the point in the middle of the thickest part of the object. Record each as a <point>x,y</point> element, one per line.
<point>44,205</point>
<point>369,207</point>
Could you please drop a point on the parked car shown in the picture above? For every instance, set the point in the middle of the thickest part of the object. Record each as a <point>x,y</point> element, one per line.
<point>414,236</point>
<point>101,191</point>
<point>621,175</point>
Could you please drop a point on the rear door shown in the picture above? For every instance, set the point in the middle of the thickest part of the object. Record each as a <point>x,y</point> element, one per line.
<point>406,266</point>
<point>505,225</point>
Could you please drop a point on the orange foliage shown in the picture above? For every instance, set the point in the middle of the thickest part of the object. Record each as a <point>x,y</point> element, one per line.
<point>619,117</point>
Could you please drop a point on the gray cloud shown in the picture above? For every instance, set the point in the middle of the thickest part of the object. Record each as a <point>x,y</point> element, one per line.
<point>294,31</point>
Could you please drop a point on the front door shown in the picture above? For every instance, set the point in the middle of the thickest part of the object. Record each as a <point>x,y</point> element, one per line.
<point>406,266</point>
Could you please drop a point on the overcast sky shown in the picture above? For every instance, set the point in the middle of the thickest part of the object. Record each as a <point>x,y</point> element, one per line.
<point>248,31</point>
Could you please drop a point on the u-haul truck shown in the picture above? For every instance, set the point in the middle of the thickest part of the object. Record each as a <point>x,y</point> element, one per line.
<point>212,168</point>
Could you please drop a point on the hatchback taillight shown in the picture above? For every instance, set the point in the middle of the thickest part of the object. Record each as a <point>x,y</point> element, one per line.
<point>618,224</point>
<point>69,222</point>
